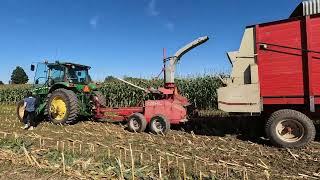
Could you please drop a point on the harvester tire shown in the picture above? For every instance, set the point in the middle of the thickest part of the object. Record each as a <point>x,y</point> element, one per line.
<point>137,123</point>
<point>290,129</point>
<point>62,106</point>
<point>159,124</point>
<point>20,110</point>
<point>101,98</point>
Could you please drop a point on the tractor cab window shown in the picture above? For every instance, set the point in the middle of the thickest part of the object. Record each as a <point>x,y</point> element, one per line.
<point>57,74</point>
<point>41,74</point>
<point>78,75</point>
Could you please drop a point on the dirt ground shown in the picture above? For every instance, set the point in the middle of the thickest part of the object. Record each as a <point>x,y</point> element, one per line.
<point>101,150</point>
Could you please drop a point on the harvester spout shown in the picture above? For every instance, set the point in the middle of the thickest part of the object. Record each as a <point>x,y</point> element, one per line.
<point>189,47</point>
<point>170,70</point>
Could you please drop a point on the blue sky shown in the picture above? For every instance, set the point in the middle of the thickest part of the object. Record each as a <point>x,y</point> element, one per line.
<point>126,37</point>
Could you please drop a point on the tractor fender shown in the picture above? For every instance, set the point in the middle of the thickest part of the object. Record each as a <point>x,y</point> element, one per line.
<point>60,85</point>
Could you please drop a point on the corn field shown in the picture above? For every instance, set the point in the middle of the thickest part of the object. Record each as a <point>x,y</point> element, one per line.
<point>13,93</point>
<point>95,150</point>
<point>201,91</point>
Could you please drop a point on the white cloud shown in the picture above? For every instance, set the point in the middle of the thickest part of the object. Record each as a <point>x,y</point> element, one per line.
<point>94,22</point>
<point>170,26</point>
<point>152,10</point>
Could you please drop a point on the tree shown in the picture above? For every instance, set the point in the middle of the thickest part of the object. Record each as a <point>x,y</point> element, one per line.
<point>1,83</point>
<point>109,79</point>
<point>19,76</point>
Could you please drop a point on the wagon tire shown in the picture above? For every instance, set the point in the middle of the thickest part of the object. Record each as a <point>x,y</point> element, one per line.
<point>290,129</point>
<point>137,123</point>
<point>62,107</point>
<point>159,124</point>
<point>20,110</point>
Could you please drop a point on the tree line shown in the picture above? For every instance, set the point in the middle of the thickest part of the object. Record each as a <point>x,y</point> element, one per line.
<point>18,76</point>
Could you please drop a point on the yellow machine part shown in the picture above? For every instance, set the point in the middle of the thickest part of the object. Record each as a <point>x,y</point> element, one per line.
<point>58,108</point>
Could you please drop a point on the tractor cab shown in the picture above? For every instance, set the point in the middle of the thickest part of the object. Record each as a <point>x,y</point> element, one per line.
<point>48,74</point>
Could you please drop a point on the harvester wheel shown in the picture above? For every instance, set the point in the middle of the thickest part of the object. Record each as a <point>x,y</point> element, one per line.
<point>137,123</point>
<point>290,129</point>
<point>101,98</point>
<point>62,106</point>
<point>20,110</point>
<point>159,124</point>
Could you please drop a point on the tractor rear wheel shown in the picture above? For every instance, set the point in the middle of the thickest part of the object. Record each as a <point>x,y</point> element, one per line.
<point>137,123</point>
<point>101,98</point>
<point>62,106</point>
<point>290,129</point>
<point>159,124</point>
<point>20,110</point>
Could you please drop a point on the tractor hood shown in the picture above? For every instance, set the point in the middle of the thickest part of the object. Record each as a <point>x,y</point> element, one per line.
<point>78,87</point>
<point>84,88</point>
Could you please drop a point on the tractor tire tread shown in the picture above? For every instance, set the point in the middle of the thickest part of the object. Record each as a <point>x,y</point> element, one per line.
<point>46,112</point>
<point>72,104</point>
<point>74,110</point>
<point>101,98</point>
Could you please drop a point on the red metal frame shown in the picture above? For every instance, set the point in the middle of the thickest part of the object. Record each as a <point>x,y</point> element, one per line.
<point>172,107</point>
<point>117,114</point>
<point>290,67</point>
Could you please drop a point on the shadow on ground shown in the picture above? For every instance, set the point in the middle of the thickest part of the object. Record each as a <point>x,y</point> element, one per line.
<point>318,132</point>
<point>244,128</point>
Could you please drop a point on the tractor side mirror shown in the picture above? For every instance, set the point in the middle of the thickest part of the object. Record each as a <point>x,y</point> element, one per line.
<point>32,68</point>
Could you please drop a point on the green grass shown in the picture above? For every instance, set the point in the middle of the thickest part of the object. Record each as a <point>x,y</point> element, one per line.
<point>14,145</point>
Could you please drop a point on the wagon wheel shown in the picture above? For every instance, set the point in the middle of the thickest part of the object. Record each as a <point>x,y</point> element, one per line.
<point>137,123</point>
<point>290,129</point>
<point>159,124</point>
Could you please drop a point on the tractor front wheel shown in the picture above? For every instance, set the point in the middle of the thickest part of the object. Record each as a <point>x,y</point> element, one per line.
<point>159,124</point>
<point>62,106</point>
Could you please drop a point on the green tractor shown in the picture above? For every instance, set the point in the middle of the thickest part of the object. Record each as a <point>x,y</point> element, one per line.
<point>64,92</point>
